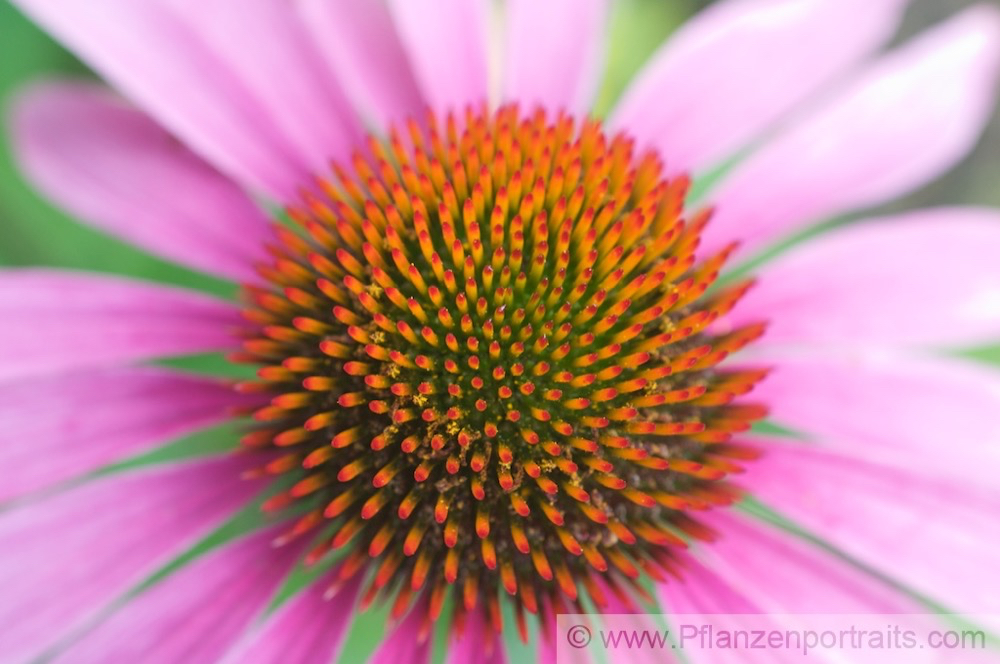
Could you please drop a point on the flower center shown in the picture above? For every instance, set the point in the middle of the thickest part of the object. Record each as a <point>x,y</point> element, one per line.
<point>487,354</point>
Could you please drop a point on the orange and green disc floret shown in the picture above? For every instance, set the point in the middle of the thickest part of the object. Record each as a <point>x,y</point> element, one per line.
<point>487,351</point>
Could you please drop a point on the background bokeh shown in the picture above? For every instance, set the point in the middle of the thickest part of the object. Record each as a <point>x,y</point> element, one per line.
<point>33,232</point>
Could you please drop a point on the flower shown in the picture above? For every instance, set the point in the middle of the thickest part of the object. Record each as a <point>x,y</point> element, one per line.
<point>492,339</point>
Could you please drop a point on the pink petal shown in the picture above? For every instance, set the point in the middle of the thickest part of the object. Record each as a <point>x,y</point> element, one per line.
<point>59,321</point>
<point>446,42</point>
<point>923,278</point>
<point>477,643</point>
<point>56,428</point>
<point>196,613</point>
<point>64,558</point>
<point>308,629</point>
<point>554,53</point>
<point>747,552</point>
<point>890,405</point>
<point>933,535</point>
<point>702,592</point>
<point>630,615</point>
<point>361,46</point>
<point>739,66</point>
<point>155,56</point>
<point>407,642</point>
<point>117,169</point>
<point>266,44</point>
<point>906,120</point>
<point>756,576</point>
<point>548,645</point>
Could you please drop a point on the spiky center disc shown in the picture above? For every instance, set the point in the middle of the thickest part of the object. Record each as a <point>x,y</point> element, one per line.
<point>487,350</point>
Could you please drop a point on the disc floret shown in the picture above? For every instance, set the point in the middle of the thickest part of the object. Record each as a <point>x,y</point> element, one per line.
<point>488,350</point>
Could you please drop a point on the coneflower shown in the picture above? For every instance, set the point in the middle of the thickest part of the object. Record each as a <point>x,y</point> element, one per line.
<point>503,354</point>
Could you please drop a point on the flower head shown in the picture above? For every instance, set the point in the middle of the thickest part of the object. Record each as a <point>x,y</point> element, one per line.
<point>486,345</point>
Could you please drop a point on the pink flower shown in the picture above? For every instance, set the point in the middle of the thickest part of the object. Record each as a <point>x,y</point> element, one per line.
<point>488,370</point>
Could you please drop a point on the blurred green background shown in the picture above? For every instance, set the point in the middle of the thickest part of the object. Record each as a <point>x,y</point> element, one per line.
<point>32,232</point>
